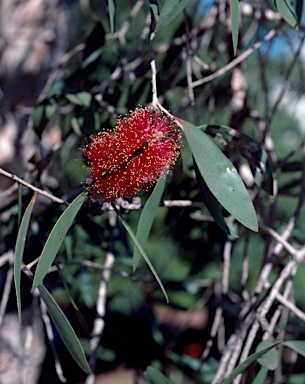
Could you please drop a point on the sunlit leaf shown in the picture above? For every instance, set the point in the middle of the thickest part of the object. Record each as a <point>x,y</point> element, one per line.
<point>154,376</point>
<point>235,22</point>
<point>212,204</point>
<point>64,329</point>
<point>285,9</point>
<point>251,359</point>
<point>56,238</point>
<point>170,10</point>
<point>147,218</point>
<point>270,359</point>
<point>221,176</point>
<point>256,155</point>
<point>141,250</point>
<point>21,237</point>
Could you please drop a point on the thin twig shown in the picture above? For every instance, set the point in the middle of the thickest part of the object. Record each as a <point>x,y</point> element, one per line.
<point>38,190</point>
<point>233,63</point>
<point>50,334</point>
<point>99,322</point>
<point>7,287</point>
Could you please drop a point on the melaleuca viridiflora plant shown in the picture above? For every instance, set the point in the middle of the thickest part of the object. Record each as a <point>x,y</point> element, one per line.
<point>138,153</point>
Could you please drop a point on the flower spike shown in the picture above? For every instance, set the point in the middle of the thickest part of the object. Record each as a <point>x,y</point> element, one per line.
<point>140,150</point>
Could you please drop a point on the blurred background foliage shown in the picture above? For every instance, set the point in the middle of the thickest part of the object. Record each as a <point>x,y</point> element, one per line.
<point>101,76</point>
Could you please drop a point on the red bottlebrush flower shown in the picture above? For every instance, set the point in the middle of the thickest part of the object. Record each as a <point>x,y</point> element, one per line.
<point>137,153</point>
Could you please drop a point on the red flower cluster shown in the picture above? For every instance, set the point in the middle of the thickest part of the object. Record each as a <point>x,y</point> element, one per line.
<point>137,153</point>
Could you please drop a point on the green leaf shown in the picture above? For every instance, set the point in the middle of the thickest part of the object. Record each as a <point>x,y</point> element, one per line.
<point>297,346</point>
<point>251,359</point>
<point>64,329</point>
<point>155,8</point>
<point>112,15</point>
<point>133,236</point>
<point>91,58</point>
<point>154,376</point>
<point>270,359</point>
<point>78,313</point>
<point>256,156</point>
<point>212,204</point>
<point>147,218</point>
<point>170,10</point>
<point>81,98</point>
<point>285,9</point>
<point>21,237</point>
<point>55,239</point>
<point>221,176</point>
<point>260,378</point>
<point>235,22</point>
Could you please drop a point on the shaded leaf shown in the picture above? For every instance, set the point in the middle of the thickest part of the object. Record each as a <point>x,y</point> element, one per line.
<point>78,313</point>
<point>170,10</point>
<point>285,9</point>
<point>64,329</point>
<point>251,359</point>
<point>56,238</point>
<point>92,57</point>
<point>212,204</point>
<point>221,176</point>
<point>256,156</point>
<point>235,22</point>
<point>147,218</point>
<point>81,98</point>
<point>19,248</point>
<point>270,359</point>
<point>297,346</point>
<point>154,376</point>
<point>261,377</point>
<point>133,236</point>
<point>299,9</point>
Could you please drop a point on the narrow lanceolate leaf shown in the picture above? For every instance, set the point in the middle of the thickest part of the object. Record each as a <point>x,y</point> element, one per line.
<point>56,238</point>
<point>251,359</point>
<point>235,22</point>
<point>154,376</point>
<point>261,377</point>
<point>64,329</point>
<point>112,15</point>
<point>212,204</point>
<point>155,8</point>
<point>221,176</point>
<point>147,218</point>
<point>256,155</point>
<point>21,237</point>
<point>270,359</point>
<point>285,9</point>
<point>297,346</point>
<point>170,10</point>
<point>141,250</point>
